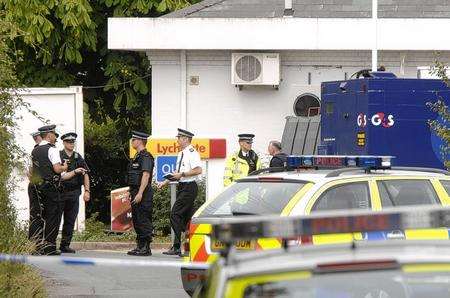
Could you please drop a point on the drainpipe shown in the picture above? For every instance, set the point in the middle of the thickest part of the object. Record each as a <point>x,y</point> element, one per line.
<point>288,11</point>
<point>183,90</point>
<point>375,37</point>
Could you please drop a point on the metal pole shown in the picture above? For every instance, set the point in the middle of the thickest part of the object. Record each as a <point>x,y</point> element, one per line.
<point>173,197</point>
<point>375,44</point>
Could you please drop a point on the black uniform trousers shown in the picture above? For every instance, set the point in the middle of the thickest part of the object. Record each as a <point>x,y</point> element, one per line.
<point>183,209</point>
<point>69,207</point>
<point>36,225</point>
<point>50,198</point>
<point>142,214</point>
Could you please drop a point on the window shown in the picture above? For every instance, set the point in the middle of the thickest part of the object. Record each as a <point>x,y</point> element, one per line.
<point>253,197</point>
<point>406,192</point>
<point>446,185</point>
<point>346,196</point>
<point>363,284</point>
<point>307,105</point>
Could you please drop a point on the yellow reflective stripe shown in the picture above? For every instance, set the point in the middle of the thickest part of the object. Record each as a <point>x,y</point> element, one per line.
<point>269,243</point>
<point>203,229</point>
<point>416,268</point>
<point>296,198</point>
<point>440,190</point>
<point>375,195</point>
<point>426,234</point>
<point>195,244</point>
<point>236,287</point>
<point>334,238</point>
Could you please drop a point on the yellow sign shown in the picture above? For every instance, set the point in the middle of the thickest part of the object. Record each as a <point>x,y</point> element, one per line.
<point>208,148</point>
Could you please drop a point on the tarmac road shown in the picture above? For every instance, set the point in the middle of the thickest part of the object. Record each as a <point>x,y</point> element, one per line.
<point>108,281</point>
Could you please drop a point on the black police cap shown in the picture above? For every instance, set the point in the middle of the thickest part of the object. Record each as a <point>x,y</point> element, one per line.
<point>48,128</point>
<point>70,136</point>
<point>184,133</point>
<point>139,135</point>
<point>246,137</point>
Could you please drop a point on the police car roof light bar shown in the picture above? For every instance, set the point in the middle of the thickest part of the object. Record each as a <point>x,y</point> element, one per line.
<point>367,162</point>
<point>248,228</point>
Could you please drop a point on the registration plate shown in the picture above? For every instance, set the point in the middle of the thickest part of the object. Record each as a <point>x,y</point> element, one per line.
<point>240,245</point>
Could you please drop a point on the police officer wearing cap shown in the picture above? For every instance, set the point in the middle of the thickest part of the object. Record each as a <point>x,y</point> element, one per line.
<point>242,162</point>
<point>71,189</point>
<point>188,167</point>
<point>139,178</point>
<point>46,176</point>
<point>36,225</point>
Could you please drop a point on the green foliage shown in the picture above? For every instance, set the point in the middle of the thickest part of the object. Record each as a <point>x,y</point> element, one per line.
<point>161,208</point>
<point>440,125</point>
<point>16,280</point>
<point>93,228</point>
<point>63,43</point>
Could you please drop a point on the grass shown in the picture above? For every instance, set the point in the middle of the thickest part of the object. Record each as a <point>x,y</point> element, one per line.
<point>18,280</point>
<point>96,231</point>
<point>107,236</point>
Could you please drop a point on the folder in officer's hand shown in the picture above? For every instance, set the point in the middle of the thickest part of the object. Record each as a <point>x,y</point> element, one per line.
<point>169,177</point>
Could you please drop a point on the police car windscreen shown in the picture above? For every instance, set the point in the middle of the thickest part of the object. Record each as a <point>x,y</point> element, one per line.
<point>369,284</point>
<point>252,197</point>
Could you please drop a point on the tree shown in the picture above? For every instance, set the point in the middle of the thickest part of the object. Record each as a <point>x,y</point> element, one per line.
<point>16,280</point>
<point>440,125</point>
<point>66,44</point>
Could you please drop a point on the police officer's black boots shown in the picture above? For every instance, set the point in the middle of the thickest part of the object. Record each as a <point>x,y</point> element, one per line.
<point>173,251</point>
<point>133,251</point>
<point>145,249</point>
<point>66,249</point>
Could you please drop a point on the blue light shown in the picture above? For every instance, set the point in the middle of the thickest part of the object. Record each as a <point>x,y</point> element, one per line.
<point>369,162</point>
<point>351,161</point>
<point>294,161</point>
<point>307,161</point>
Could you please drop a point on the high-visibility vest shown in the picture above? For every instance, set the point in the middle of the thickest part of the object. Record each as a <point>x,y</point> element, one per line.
<point>236,168</point>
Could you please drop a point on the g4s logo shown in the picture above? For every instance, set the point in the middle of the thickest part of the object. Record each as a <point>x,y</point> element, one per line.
<point>381,119</point>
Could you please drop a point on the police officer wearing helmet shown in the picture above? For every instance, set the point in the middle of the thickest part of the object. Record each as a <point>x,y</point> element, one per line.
<point>71,189</point>
<point>139,178</point>
<point>188,167</point>
<point>242,162</point>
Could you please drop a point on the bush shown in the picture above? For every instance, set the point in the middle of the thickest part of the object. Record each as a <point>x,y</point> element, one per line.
<point>161,208</point>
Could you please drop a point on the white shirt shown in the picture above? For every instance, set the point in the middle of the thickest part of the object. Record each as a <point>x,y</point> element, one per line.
<point>190,159</point>
<point>53,153</point>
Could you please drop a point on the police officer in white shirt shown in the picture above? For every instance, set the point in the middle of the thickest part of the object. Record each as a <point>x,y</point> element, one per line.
<point>188,168</point>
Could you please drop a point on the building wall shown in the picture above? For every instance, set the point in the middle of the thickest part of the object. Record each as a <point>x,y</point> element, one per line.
<point>217,109</point>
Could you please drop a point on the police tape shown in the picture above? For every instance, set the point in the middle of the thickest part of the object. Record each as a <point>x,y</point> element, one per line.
<point>79,261</point>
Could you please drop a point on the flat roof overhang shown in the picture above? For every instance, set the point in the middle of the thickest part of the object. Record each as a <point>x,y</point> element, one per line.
<point>141,34</point>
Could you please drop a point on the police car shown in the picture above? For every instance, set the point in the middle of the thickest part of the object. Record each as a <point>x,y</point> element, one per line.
<point>317,183</point>
<point>391,268</point>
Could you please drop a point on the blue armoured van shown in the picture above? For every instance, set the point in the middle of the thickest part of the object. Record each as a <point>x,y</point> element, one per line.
<point>382,115</point>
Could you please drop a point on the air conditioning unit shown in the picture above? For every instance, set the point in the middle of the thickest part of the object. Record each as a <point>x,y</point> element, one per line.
<point>255,69</point>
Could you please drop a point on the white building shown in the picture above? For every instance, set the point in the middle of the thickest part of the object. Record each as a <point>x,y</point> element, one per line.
<point>317,40</point>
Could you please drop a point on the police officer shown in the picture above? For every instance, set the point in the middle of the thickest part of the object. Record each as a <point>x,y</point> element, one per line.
<point>36,225</point>
<point>71,189</point>
<point>188,167</point>
<point>139,178</point>
<point>46,176</point>
<point>278,158</point>
<point>242,162</point>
